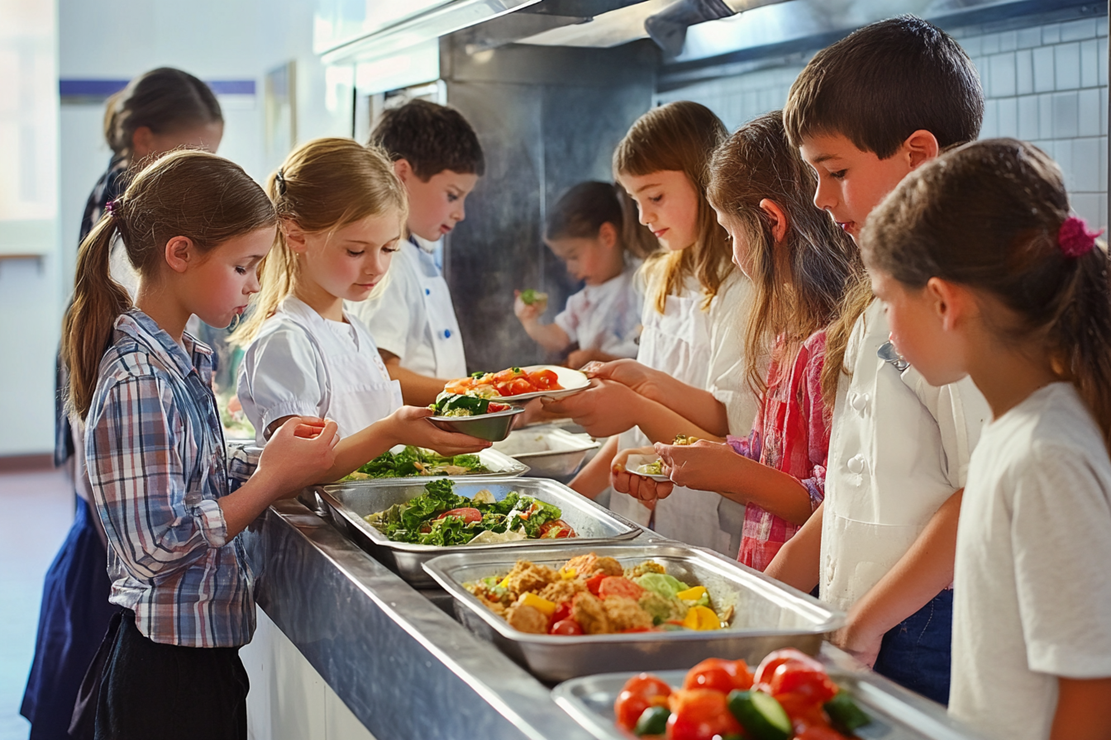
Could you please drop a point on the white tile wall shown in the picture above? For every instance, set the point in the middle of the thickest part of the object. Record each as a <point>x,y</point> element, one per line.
<point>1046,84</point>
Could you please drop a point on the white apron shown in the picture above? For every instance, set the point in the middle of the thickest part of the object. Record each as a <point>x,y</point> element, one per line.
<point>447,341</point>
<point>677,342</point>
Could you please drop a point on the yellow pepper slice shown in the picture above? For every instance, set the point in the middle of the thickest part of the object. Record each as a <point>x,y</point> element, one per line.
<point>701,618</point>
<point>692,594</point>
<point>568,574</point>
<point>539,603</point>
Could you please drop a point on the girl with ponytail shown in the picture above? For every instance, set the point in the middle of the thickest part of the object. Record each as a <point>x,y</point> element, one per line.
<point>341,210</point>
<point>194,227</point>
<point>984,272</point>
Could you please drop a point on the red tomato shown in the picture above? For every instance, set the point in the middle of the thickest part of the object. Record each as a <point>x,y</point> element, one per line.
<point>796,677</point>
<point>556,529</point>
<point>595,581</point>
<point>619,586</point>
<point>465,513</point>
<point>719,675</point>
<point>818,730</point>
<point>700,714</point>
<point>640,692</point>
<point>801,708</point>
<point>777,658</point>
<point>494,407</point>
<point>565,627</point>
<point>545,379</point>
<point>563,611</point>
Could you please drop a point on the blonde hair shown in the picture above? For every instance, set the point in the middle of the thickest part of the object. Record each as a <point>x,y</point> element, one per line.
<point>681,137</point>
<point>186,193</point>
<point>324,185</point>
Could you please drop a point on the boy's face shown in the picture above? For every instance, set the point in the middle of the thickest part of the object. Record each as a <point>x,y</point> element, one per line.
<point>852,182</point>
<point>435,204</point>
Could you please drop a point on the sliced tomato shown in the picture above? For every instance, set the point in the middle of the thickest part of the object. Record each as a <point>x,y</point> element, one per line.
<point>545,379</point>
<point>619,586</point>
<point>803,679</point>
<point>817,730</point>
<point>640,692</point>
<point>516,387</point>
<point>595,582</point>
<point>777,658</point>
<point>556,529</point>
<point>720,675</point>
<point>494,407</point>
<point>801,709</point>
<point>466,513</point>
<point>700,714</point>
<point>563,611</point>
<point>566,627</point>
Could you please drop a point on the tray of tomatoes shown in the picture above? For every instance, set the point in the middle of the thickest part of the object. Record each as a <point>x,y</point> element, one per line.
<point>787,695</point>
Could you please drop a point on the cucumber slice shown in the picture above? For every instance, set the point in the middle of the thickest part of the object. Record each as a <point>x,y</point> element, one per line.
<point>761,715</point>
<point>653,721</point>
<point>845,716</point>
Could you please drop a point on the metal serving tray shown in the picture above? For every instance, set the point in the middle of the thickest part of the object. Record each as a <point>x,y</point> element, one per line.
<point>767,616</point>
<point>897,714</point>
<point>550,452</point>
<point>349,502</point>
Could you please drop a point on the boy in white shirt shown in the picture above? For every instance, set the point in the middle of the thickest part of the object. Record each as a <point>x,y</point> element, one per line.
<point>438,158</point>
<point>585,230</point>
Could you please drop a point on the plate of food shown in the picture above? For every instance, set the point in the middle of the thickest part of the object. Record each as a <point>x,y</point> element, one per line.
<point>646,466</point>
<point>520,383</point>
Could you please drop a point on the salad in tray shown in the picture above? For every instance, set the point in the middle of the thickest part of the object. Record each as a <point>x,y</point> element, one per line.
<point>410,461</point>
<point>442,518</point>
<point>595,596</point>
<point>789,696</point>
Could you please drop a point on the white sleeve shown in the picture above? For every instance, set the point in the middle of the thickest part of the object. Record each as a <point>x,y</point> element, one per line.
<point>281,375</point>
<point>1061,539</point>
<point>961,412</point>
<point>726,379</point>
<point>396,314</point>
<point>571,316</point>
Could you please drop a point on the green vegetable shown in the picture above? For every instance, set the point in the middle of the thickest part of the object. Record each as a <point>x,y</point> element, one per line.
<point>418,461</point>
<point>448,402</point>
<point>762,717</point>
<point>662,584</point>
<point>653,721</point>
<point>530,296</point>
<point>845,716</point>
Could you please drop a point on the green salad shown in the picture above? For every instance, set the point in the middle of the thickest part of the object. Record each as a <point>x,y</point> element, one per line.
<point>441,517</point>
<point>412,461</point>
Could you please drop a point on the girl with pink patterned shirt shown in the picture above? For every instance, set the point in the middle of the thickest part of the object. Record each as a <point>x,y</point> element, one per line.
<point>799,263</point>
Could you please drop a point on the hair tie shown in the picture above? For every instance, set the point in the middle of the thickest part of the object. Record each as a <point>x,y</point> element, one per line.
<point>279,178</point>
<point>1074,239</point>
<point>110,206</point>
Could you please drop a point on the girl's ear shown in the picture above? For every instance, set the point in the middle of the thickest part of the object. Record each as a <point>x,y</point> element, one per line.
<point>607,232</point>
<point>142,142</point>
<point>294,235</point>
<point>920,147</point>
<point>180,253</point>
<point>777,217</point>
<point>952,303</point>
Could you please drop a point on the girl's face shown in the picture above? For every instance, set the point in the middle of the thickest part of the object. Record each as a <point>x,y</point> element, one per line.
<point>668,205</point>
<point>225,278</point>
<point>203,136</point>
<point>742,250</point>
<point>594,260</point>
<point>347,263</point>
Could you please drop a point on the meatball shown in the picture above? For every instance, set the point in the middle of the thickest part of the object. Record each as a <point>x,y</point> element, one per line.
<point>625,614</point>
<point>527,619</point>
<point>563,590</point>
<point>609,566</point>
<point>527,576</point>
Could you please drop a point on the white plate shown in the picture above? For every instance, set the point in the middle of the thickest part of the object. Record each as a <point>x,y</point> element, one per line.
<point>572,381</point>
<point>635,461</point>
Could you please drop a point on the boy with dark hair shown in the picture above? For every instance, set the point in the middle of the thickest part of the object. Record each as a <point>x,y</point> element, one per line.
<point>864,113</point>
<point>436,154</point>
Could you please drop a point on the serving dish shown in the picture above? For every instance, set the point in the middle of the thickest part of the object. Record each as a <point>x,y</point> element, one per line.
<point>493,427</point>
<point>348,503</point>
<point>767,614</point>
<point>635,462</point>
<point>897,714</point>
<point>549,450</point>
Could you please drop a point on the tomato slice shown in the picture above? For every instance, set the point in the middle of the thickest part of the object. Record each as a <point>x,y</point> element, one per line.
<point>556,529</point>
<point>797,677</point>
<point>566,627</point>
<point>595,581</point>
<point>700,714</point>
<point>619,586</point>
<point>777,658</point>
<point>640,692</point>
<point>719,675</point>
<point>466,513</point>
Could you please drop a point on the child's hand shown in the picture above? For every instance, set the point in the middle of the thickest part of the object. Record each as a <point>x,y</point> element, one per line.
<point>857,640</point>
<point>645,490</point>
<point>700,466</point>
<point>299,453</point>
<point>527,313</point>
<point>604,409</point>
<point>627,372</point>
<point>409,425</point>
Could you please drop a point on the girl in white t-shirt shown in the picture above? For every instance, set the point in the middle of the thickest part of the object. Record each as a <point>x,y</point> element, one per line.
<point>587,231</point>
<point>341,211</point>
<point>984,273</point>
<point>688,377</point>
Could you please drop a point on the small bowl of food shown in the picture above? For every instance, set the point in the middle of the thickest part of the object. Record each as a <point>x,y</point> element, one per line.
<point>483,418</point>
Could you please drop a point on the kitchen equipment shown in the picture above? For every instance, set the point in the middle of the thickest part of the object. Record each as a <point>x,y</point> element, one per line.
<point>493,427</point>
<point>549,451</point>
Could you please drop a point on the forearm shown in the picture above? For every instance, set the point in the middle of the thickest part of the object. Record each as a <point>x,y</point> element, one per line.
<point>251,499</point>
<point>416,389</point>
<point>694,404</point>
<point>920,575</point>
<point>551,337</point>
<point>1083,709</point>
<point>798,562</point>
<point>747,481</point>
<point>356,450</point>
<point>661,423</point>
<point>595,476</point>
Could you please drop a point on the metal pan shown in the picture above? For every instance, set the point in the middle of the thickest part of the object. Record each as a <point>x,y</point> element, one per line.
<point>897,714</point>
<point>348,503</point>
<point>550,452</point>
<point>768,615</point>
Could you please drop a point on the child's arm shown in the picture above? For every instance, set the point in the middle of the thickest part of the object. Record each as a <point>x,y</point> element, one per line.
<point>551,337</point>
<point>697,405</point>
<point>594,477</point>
<point>798,562</point>
<point>1083,709</point>
<point>416,389</point>
<point>920,575</point>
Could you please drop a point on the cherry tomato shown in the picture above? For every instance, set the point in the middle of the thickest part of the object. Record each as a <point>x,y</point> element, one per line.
<point>565,627</point>
<point>556,529</point>
<point>563,611</point>
<point>817,730</point>
<point>700,714</point>
<point>465,513</point>
<point>796,677</point>
<point>595,581</point>
<point>619,586</point>
<point>777,658</point>
<point>720,675</point>
<point>640,692</point>
<point>801,708</point>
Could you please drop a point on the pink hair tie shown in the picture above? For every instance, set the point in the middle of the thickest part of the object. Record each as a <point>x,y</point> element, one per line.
<point>110,206</point>
<point>1074,238</point>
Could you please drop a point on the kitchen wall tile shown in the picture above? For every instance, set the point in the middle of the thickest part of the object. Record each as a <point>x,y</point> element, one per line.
<point>1089,63</point>
<point>990,125</point>
<point>1002,75</point>
<point>990,44</point>
<point>1086,164</point>
<point>1085,28</point>
<point>1066,60</point>
<point>973,46</point>
<point>1024,72</point>
<point>1028,38</point>
<point>1028,117</point>
<point>1006,117</point>
<point>1102,64</point>
<point>1088,118</point>
<point>1101,26</point>
<point>1051,34</point>
<point>1103,163</point>
<point>983,68</point>
<point>1102,213</point>
<point>1043,69</point>
<point>1103,110</point>
<point>1008,40</point>
<point>1087,206</point>
<point>1045,116</point>
<point>1066,113</point>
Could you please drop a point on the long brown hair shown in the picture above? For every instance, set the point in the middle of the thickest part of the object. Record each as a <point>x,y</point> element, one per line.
<point>163,100</point>
<point>580,212</point>
<point>796,297</point>
<point>186,193</point>
<point>989,215</point>
<point>323,185</point>
<point>681,137</point>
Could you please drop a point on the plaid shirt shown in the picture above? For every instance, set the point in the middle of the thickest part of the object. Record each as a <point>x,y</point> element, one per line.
<point>155,453</point>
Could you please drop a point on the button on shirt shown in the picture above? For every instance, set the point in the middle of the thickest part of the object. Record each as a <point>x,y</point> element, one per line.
<point>155,454</point>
